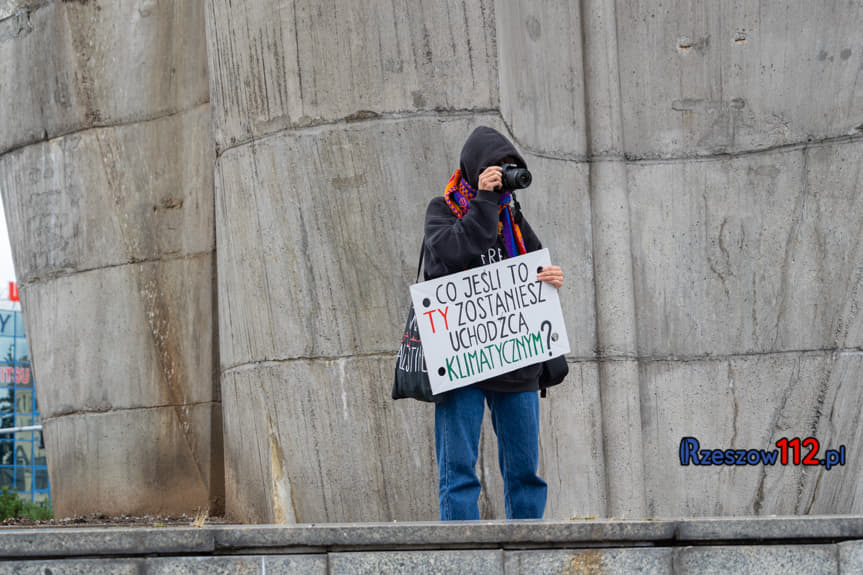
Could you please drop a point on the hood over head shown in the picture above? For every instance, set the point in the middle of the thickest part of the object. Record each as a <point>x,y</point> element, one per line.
<point>483,148</point>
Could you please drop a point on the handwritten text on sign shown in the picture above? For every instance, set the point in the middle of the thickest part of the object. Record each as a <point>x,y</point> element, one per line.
<point>487,321</point>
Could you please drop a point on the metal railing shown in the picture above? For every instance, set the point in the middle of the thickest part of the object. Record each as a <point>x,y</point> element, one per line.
<point>17,429</point>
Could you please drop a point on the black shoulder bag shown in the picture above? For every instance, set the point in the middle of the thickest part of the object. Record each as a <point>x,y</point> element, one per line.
<point>553,372</point>
<point>411,378</point>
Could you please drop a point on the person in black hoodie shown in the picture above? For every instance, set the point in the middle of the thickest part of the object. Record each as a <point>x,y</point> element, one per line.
<point>474,223</point>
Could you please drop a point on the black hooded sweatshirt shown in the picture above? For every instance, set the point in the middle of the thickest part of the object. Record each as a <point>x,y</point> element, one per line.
<point>453,245</point>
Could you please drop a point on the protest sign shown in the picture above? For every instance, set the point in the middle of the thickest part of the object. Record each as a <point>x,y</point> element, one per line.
<point>487,321</point>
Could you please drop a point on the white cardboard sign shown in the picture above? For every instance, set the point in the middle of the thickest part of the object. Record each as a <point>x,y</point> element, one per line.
<point>488,320</point>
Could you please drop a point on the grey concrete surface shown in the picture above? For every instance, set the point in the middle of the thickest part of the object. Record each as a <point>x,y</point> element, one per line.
<point>850,557</point>
<point>820,544</point>
<point>339,213</point>
<point>358,306</point>
<point>296,450</point>
<point>110,196</point>
<point>421,562</point>
<point>541,46</point>
<point>754,560</point>
<point>142,328</point>
<point>294,565</point>
<point>72,567</point>
<point>153,460</point>
<point>146,445</point>
<point>605,561</point>
<point>304,451</point>
<point>106,175</point>
<point>705,79</point>
<point>449,535</point>
<point>514,536</point>
<point>616,335</point>
<point>357,309</point>
<point>779,278</point>
<point>252,565</point>
<point>14,8</point>
<point>770,528</point>
<point>754,401</point>
<point>276,66</point>
<point>669,263</point>
<point>110,541</point>
<point>571,448</point>
<point>78,64</point>
<point>696,176</point>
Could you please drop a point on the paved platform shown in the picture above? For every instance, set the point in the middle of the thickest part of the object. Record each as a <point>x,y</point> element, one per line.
<point>763,545</point>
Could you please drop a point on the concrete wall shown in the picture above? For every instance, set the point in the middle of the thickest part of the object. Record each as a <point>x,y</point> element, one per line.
<point>695,174</point>
<point>742,127</point>
<point>321,185</point>
<point>106,175</point>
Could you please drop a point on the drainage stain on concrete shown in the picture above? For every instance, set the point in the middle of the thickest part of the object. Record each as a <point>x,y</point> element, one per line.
<point>583,563</point>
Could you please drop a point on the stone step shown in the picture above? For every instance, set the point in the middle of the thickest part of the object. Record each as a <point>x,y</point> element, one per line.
<point>762,545</point>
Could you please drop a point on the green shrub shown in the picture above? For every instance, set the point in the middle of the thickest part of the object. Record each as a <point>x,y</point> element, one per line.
<point>12,506</point>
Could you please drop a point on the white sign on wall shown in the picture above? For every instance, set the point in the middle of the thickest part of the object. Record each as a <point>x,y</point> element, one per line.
<point>488,321</point>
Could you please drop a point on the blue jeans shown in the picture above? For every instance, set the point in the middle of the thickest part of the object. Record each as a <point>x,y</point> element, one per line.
<point>515,418</point>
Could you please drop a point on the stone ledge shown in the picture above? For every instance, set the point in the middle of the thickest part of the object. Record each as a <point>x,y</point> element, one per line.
<point>76,542</point>
<point>453,535</point>
<point>770,528</point>
<point>358,537</point>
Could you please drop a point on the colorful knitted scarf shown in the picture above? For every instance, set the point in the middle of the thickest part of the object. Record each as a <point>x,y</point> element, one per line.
<point>458,195</point>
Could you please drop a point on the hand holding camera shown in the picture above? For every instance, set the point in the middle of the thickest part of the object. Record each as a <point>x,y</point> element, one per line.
<point>504,177</point>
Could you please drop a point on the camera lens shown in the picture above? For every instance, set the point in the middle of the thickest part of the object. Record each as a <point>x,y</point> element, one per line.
<point>515,178</point>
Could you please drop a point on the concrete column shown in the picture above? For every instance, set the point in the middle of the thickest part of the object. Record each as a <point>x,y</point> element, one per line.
<point>743,124</point>
<point>106,175</point>
<point>612,265</point>
<point>335,123</point>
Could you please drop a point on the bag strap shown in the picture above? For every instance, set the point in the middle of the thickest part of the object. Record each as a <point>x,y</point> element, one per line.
<point>420,264</point>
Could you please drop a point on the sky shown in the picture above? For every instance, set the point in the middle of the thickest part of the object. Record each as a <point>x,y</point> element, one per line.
<point>7,270</point>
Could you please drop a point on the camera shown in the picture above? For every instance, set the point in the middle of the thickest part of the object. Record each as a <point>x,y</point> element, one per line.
<point>514,177</point>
